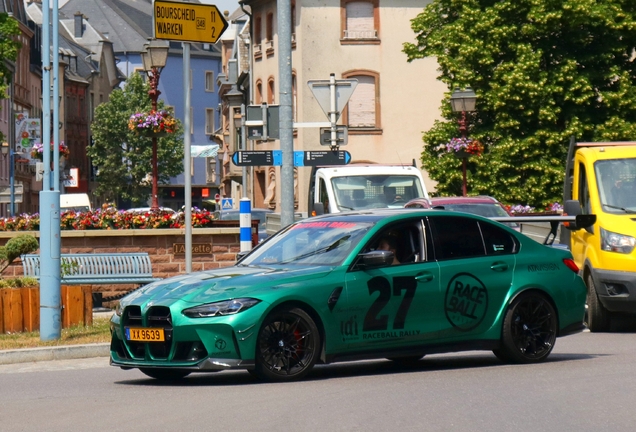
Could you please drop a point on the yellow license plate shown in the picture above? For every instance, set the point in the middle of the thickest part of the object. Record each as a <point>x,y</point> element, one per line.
<point>145,334</point>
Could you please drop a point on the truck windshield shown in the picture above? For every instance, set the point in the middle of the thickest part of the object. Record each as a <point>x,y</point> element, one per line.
<point>375,191</point>
<point>616,179</point>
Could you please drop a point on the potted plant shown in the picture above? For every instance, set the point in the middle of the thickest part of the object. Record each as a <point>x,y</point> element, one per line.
<point>153,123</point>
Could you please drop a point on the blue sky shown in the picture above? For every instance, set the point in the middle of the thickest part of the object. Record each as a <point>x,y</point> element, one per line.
<point>222,5</point>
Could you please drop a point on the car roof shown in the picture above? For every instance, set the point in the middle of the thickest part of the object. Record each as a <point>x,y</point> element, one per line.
<point>373,215</point>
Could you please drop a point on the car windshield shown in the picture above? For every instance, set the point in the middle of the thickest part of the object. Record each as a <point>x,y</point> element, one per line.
<point>486,210</point>
<point>375,191</point>
<point>616,180</point>
<point>320,243</point>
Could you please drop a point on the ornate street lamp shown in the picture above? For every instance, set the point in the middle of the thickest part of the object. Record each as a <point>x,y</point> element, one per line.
<point>463,101</point>
<point>154,59</point>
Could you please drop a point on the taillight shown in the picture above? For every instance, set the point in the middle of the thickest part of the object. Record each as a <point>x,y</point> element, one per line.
<point>569,263</point>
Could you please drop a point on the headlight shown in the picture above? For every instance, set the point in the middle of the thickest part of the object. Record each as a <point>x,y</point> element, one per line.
<point>614,242</point>
<point>227,307</point>
<point>119,309</point>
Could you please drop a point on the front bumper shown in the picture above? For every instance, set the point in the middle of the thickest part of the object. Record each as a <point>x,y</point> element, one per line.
<point>207,365</point>
<point>616,290</point>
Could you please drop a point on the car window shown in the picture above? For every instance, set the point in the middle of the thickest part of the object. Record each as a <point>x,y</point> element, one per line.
<point>456,237</point>
<point>497,240</point>
<point>404,239</point>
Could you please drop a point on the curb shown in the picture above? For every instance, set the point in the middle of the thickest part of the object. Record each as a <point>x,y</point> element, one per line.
<point>66,352</point>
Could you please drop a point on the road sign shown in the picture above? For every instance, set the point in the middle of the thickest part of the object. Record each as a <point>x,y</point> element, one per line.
<point>342,133</point>
<point>227,203</point>
<point>187,22</point>
<point>254,120</point>
<point>217,197</point>
<point>258,158</point>
<point>327,157</point>
<point>322,92</point>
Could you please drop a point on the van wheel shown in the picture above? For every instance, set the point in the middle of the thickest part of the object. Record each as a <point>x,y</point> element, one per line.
<point>597,318</point>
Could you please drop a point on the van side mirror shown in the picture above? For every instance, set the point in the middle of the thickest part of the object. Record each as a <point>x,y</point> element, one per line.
<point>583,221</point>
<point>319,209</point>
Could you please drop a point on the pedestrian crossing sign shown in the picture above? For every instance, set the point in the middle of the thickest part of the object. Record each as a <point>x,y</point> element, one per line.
<point>227,204</point>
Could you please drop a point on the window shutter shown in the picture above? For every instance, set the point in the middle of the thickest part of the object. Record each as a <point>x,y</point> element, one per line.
<point>362,103</point>
<point>360,22</point>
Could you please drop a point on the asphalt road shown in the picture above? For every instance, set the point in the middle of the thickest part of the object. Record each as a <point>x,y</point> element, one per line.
<point>588,384</point>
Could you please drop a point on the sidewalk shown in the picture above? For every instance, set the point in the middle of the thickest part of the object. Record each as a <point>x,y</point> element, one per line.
<point>66,352</point>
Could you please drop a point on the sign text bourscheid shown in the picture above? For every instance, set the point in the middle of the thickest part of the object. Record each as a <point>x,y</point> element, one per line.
<point>187,22</point>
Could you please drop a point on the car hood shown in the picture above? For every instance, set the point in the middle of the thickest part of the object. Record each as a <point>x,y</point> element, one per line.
<point>222,284</point>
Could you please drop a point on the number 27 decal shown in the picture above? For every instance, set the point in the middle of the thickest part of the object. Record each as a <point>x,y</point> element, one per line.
<point>373,320</point>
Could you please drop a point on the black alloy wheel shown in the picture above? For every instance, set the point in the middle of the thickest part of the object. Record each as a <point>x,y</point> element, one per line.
<point>529,330</point>
<point>287,346</point>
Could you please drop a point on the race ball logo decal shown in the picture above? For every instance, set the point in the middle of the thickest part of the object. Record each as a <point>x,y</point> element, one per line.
<point>466,302</point>
<point>220,344</point>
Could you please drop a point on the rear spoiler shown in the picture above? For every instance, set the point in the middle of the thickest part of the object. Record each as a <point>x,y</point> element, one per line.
<point>572,223</point>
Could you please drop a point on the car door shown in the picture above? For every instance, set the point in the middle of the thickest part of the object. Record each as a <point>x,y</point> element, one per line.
<point>476,260</point>
<point>389,306</point>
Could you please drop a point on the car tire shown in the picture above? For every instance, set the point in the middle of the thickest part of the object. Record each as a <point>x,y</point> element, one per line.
<point>287,347</point>
<point>165,374</point>
<point>597,318</point>
<point>529,330</point>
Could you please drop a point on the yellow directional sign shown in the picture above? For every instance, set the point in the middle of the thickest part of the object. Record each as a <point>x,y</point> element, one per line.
<point>187,22</point>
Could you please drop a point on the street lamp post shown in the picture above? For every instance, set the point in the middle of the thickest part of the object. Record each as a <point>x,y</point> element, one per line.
<point>154,59</point>
<point>7,150</point>
<point>463,101</point>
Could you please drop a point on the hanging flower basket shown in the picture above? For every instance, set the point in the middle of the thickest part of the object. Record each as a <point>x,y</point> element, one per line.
<point>37,152</point>
<point>463,147</point>
<point>153,123</point>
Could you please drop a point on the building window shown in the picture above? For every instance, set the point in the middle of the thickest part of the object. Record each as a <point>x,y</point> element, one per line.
<point>258,97</point>
<point>209,81</point>
<point>270,91</point>
<point>362,114</point>
<point>360,21</point>
<point>209,121</point>
<point>258,30</point>
<point>269,26</point>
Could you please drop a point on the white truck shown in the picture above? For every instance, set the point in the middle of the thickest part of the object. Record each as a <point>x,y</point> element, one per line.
<point>358,186</point>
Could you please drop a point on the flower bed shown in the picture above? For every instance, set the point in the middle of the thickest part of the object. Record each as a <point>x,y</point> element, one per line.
<point>112,219</point>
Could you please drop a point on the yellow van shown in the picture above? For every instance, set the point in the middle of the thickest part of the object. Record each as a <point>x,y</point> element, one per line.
<point>601,179</point>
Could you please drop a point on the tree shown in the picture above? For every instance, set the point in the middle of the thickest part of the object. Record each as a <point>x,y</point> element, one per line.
<point>124,158</point>
<point>9,47</point>
<point>543,70</point>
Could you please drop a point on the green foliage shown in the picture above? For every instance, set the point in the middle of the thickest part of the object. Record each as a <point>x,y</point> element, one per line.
<point>9,47</point>
<point>543,70</point>
<point>19,282</point>
<point>124,159</point>
<point>20,245</point>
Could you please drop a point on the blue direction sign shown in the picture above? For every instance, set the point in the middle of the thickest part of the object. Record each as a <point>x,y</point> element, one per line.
<point>258,158</point>
<point>227,203</point>
<point>325,157</point>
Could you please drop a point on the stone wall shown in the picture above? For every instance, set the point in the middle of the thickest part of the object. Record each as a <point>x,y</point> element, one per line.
<point>212,248</point>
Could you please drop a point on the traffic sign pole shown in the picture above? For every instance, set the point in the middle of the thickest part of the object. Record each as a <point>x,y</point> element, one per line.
<point>333,114</point>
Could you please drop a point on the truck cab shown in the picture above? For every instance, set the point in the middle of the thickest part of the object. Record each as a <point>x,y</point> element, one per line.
<point>601,177</point>
<point>363,186</point>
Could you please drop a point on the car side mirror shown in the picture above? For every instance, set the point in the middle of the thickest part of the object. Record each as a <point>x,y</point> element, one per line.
<point>377,258</point>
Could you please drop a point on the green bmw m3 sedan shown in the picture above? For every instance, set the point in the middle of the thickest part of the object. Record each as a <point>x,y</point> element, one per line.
<point>396,284</point>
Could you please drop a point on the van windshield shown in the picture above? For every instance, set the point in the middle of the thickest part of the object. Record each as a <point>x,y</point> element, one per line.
<point>616,179</point>
<point>375,191</point>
